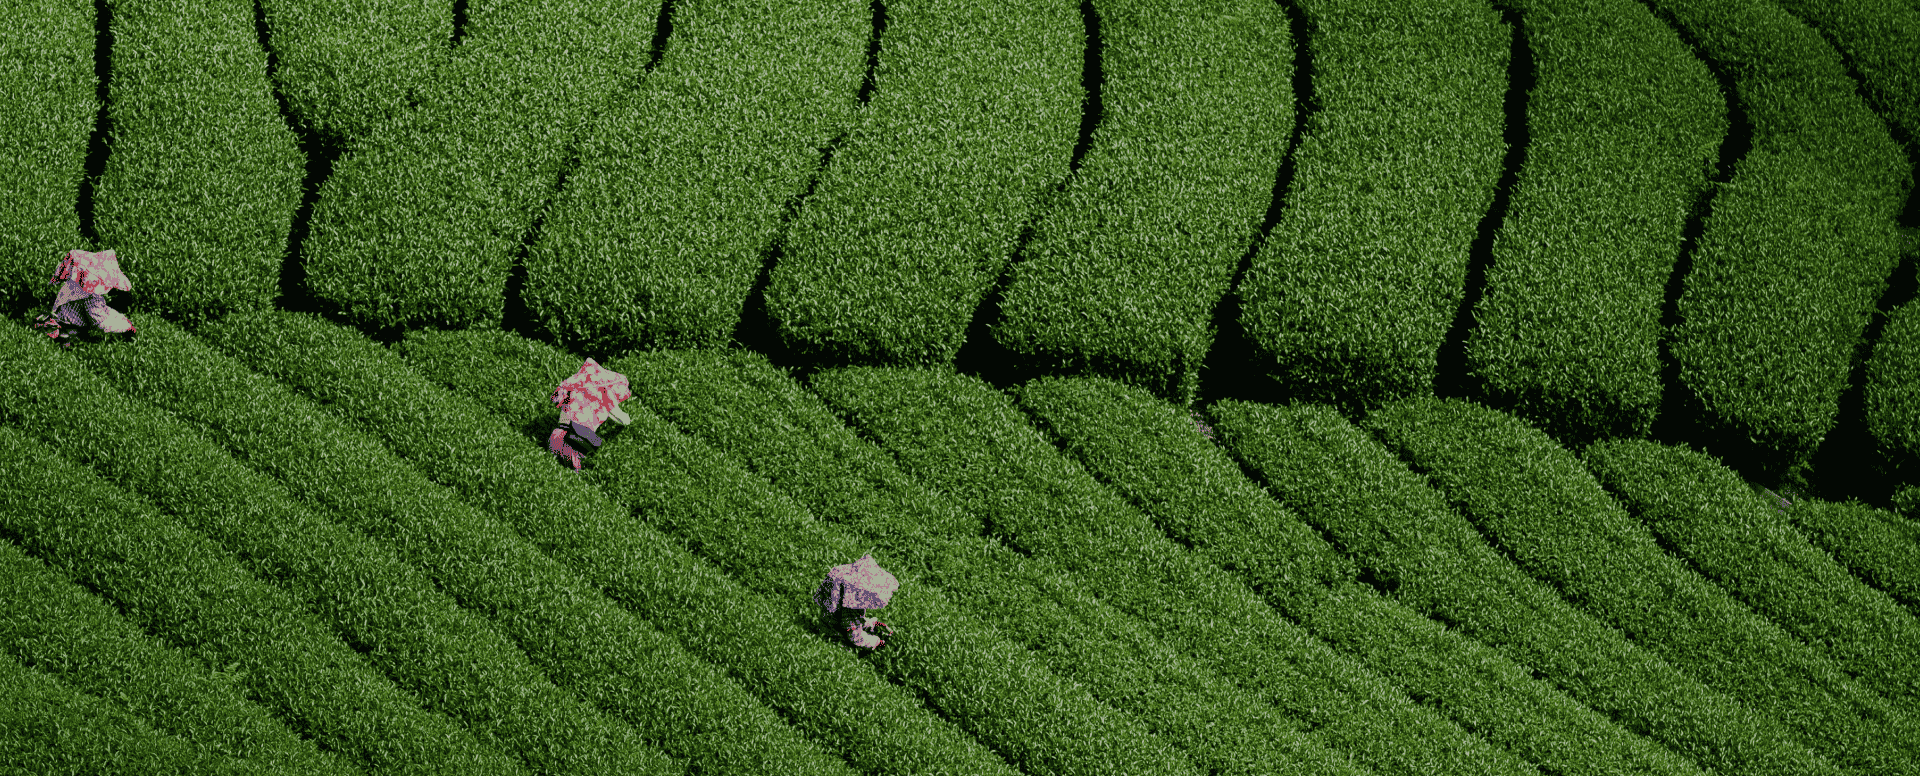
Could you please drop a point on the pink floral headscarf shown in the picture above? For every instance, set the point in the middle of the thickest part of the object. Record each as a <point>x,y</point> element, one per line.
<point>97,273</point>
<point>590,395</point>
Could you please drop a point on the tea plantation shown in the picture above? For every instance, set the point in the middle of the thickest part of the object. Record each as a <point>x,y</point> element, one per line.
<point>1236,388</point>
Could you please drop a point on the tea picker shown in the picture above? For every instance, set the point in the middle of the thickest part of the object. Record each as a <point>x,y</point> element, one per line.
<point>81,304</point>
<point>586,400</point>
<point>849,591</point>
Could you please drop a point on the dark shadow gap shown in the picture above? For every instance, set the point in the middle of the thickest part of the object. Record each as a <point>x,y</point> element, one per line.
<point>1231,369</point>
<point>514,314</point>
<point>663,29</point>
<point>756,330</point>
<point>319,154</point>
<point>96,162</point>
<point>1092,79</point>
<point>1453,376</point>
<point>1848,461</point>
<point>459,24</point>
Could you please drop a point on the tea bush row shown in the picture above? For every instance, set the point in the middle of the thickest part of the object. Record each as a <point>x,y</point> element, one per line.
<point>1892,395</point>
<point>1126,265</point>
<point>202,173</point>
<point>1535,500</point>
<point>567,628</point>
<point>506,478</point>
<point>59,730</point>
<point>418,222</point>
<point>739,403</point>
<point>1153,455</point>
<point>347,66</point>
<point>661,232</point>
<point>985,683</point>
<point>1799,243</point>
<point>55,627</point>
<point>1623,123</point>
<point>1349,297</point>
<point>959,437</point>
<point>183,588</point>
<point>1877,546</point>
<point>451,659</point>
<point>973,115</point>
<point>50,85</point>
<point>1706,513</point>
<point>1878,39</point>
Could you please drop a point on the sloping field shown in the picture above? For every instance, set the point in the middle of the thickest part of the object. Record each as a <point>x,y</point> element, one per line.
<point>1225,400</point>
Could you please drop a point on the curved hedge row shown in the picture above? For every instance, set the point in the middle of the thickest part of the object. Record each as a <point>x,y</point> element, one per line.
<point>1892,395</point>
<point>418,222</point>
<point>185,589</point>
<point>57,729</point>
<point>450,659</point>
<point>1799,244</point>
<point>982,681</point>
<point>1706,513</point>
<point>737,402</point>
<point>973,114</point>
<point>1877,546</point>
<point>347,66</point>
<point>202,173</point>
<point>959,437</point>
<point>58,628</point>
<point>1127,263</point>
<point>48,77</point>
<point>1351,294</point>
<point>1623,124</point>
<point>662,230</point>
<point>563,623</point>
<point>1535,500</point>
<point>1411,544</point>
<point>1879,39</point>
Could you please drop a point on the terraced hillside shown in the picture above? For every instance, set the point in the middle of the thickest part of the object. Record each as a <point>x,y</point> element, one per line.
<point>1485,387</point>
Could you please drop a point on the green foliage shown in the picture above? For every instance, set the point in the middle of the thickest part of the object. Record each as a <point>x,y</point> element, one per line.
<point>738,403</point>
<point>1127,264</point>
<point>981,680</point>
<point>59,730</point>
<point>1623,124</point>
<point>1706,513</point>
<point>1799,244</point>
<point>961,438</point>
<point>202,174</point>
<point>418,222</point>
<point>567,628</point>
<point>1351,294</point>
<point>973,117</point>
<point>1427,557</point>
<point>1537,502</point>
<point>452,660</point>
<point>184,588</point>
<point>347,66</point>
<point>1892,394</point>
<point>1878,38</point>
<point>663,228</point>
<point>58,628</point>
<point>48,77</point>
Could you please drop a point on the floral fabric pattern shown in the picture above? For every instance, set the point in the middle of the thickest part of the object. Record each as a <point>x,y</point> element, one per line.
<point>95,273</point>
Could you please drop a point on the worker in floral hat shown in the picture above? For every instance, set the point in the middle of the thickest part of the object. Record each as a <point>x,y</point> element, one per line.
<point>85,278</point>
<point>586,400</point>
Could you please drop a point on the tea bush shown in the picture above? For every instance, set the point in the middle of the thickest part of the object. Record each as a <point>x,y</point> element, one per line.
<point>1892,395</point>
<point>961,438</point>
<point>59,629</point>
<point>60,730</point>
<point>347,66</point>
<point>1349,297</point>
<point>181,586</point>
<point>1623,123</point>
<point>1878,39</point>
<point>1426,557</point>
<point>418,222</point>
<point>982,681</point>
<point>1707,514</point>
<point>202,174</point>
<point>1878,546</point>
<point>48,77</point>
<point>739,403</point>
<point>662,230</point>
<point>1536,501</point>
<point>910,225</point>
<point>1799,244</point>
<point>565,625</point>
<point>1127,263</point>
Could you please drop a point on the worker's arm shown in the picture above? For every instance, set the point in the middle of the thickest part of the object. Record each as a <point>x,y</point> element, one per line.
<point>620,415</point>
